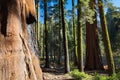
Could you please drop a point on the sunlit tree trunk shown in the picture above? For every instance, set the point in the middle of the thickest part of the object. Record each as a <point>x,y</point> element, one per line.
<point>106,40</point>
<point>74,33</point>
<point>65,42</point>
<point>79,40</point>
<point>37,27</point>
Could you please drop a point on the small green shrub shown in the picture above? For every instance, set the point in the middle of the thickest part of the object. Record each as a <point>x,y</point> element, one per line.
<point>80,75</point>
<point>99,77</point>
<point>118,75</point>
<point>113,77</point>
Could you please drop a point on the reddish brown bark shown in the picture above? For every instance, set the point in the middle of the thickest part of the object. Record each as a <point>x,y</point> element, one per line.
<point>93,54</point>
<point>17,62</point>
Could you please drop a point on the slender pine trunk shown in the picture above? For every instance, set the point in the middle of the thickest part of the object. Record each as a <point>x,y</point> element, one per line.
<point>79,41</point>
<point>60,35</point>
<point>46,35</point>
<point>74,33</point>
<point>65,42</point>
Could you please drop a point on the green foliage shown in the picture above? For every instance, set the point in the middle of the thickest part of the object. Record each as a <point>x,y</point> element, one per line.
<point>72,66</point>
<point>113,19</point>
<point>113,77</point>
<point>118,75</point>
<point>99,77</point>
<point>83,76</point>
<point>87,11</point>
<point>80,75</point>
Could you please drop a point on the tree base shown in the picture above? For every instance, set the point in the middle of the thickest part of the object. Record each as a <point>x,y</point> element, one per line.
<point>18,66</point>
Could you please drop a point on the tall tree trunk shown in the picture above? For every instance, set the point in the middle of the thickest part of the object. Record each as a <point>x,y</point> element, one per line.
<point>74,33</point>
<point>46,35</point>
<point>17,60</point>
<point>43,43</point>
<point>37,22</point>
<point>60,35</point>
<point>79,41</point>
<point>106,40</point>
<point>93,54</point>
<point>67,67</point>
<point>38,25</point>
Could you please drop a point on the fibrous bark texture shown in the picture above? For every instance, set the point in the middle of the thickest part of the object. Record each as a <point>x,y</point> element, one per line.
<point>93,53</point>
<point>17,61</point>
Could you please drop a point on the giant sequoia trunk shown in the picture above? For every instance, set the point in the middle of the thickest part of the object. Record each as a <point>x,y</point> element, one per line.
<point>93,54</point>
<point>17,62</point>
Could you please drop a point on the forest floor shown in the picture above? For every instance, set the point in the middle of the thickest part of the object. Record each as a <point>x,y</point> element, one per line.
<point>58,74</point>
<point>55,74</point>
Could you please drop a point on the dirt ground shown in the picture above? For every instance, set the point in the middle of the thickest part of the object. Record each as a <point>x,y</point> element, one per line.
<point>55,74</point>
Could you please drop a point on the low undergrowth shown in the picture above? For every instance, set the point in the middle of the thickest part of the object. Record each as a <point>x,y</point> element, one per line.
<point>83,76</point>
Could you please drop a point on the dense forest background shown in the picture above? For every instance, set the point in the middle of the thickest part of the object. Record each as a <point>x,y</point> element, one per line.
<point>85,37</point>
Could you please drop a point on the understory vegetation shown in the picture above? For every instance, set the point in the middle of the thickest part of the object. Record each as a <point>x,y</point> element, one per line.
<point>96,76</point>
